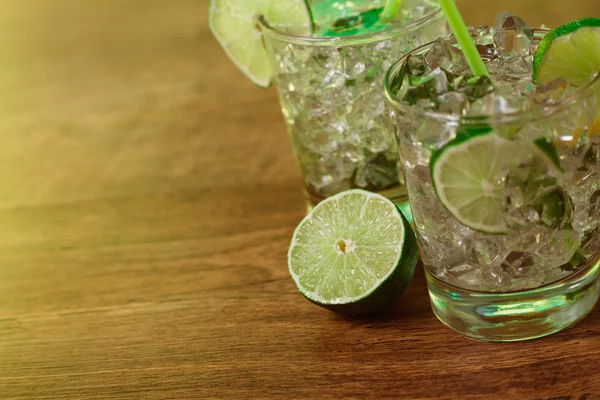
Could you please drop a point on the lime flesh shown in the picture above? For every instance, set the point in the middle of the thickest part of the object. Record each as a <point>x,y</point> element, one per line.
<point>467,176</point>
<point>235,25</point>
<point>354,253</point>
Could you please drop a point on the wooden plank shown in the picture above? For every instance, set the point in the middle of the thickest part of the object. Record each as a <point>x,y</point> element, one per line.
<point>148,193</point>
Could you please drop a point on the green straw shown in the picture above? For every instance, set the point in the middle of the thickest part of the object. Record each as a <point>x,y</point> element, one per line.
<point>390,10</point>
<point>463,37</point>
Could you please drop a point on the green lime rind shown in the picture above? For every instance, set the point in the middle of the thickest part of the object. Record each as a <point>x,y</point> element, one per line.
<point>234,24</point>
<point>577,66</point>
<point>548,152</point>
<point>392,279</point>
<point>466,186</point>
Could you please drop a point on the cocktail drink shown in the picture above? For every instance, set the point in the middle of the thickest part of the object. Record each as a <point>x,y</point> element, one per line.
<point>330,88</point>
<point>503,175</point>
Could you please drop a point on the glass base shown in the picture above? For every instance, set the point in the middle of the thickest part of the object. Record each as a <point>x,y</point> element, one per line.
<point>396,193</point>
<point>528,314</point>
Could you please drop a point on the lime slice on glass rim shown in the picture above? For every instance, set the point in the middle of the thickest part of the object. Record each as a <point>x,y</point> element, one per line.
<point>235,25</point>
<point>571,51</point>
<point>465,175</point>
<point>354,253</point>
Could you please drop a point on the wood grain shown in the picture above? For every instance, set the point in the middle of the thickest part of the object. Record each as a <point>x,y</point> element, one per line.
<point>147,196</point>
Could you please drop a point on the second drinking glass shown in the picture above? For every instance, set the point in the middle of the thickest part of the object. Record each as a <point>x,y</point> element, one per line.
<point>330,89</point>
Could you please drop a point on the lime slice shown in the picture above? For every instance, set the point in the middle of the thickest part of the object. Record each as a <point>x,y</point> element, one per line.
<point>570,51</point>
<point>547,151</point>
<point>235,25</point>
<point>467,178</point>
<point>354,253</point>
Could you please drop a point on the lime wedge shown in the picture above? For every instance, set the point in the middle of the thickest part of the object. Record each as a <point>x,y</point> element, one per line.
<point>354,253</point>
<point>571,51</point>
<point>235,25</point>
<point>467,178</point>
<point>547,151</point>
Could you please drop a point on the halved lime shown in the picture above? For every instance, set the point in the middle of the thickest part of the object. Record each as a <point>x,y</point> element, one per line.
<point>467,178</point>
<point>547,151</point>
<point>354,253</point>
<point>571,51</point>
<point>235,25</point>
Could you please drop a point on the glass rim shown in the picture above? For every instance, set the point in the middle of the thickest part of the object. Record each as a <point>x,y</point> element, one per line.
<point>338,41</point>
<point>534,113</point>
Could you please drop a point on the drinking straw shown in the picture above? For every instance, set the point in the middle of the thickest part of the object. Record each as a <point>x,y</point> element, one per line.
<point>389,11</point>
<point>463,37</point>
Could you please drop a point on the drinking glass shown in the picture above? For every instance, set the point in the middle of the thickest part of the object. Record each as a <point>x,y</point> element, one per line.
<point>332,99</point>
<point>540,276</point>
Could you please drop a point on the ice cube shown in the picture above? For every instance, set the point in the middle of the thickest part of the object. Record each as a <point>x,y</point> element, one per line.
<point>417,66</point>
<point>377,171</point>
<point>320,136</point>
<point>334,78</point>
<point>427,87</point>
<point>291,58</point>
<point>486,250</point>
<point>441,80</point>
<point>551,92</point>
<point>586,216</point>
<point>379,136</point>
<point>327,175</point>
<point>495,103</point>
<point>452,103</point>
<point>322,61</point>
<point>476,87</point>
<point>432,134</point>
<point>484,35</point>
<point>469,276</point>
<point>523,272</point>
<point>487,52</point>
<point>591,244</point>
<point>558,248</point>
<point>533,46</point>
<point>325,69</point>
<point>443,54</point>
<point>293,103</point>
<point>419,12</point>
<point>509,69</point>
<point>512,34</point>
<point>354,64</point>
<point>367,106</point>
<point>480,34</point>
<point>335,103</point>
<point>384,46</point>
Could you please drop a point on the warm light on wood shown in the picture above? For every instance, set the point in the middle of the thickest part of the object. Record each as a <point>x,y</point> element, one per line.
<point>148,193</point>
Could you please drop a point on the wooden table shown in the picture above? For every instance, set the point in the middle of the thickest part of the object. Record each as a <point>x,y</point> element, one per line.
<point>148,193</point>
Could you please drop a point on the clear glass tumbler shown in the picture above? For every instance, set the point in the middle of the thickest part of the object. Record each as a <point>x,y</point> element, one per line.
<point>330,90</point>
<point>541,275</point>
